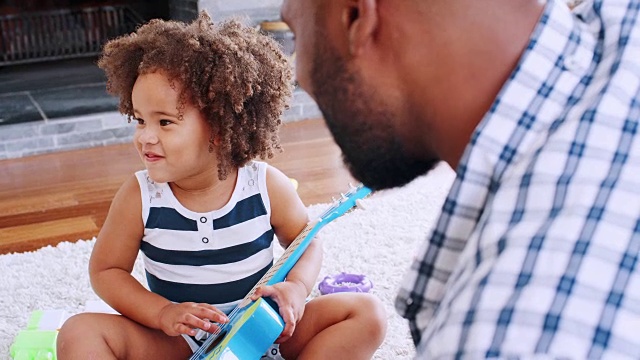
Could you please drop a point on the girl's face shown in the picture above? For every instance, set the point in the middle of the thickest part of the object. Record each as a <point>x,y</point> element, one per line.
<point>171,149</point>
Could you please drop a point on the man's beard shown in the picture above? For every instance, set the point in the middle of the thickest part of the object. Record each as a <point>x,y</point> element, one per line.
<point>363,127</point>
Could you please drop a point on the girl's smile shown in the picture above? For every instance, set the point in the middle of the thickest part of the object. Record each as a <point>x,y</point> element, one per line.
<point>152,157</point>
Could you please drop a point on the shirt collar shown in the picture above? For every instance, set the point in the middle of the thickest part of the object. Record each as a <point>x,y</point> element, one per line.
<point>558,56</point>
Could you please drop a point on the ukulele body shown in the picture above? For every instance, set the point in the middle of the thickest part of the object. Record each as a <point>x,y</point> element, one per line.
<point>253,331</point>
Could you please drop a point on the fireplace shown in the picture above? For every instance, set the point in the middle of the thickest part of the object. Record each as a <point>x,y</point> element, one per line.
<point>46,30</point>
<point>49,48</point>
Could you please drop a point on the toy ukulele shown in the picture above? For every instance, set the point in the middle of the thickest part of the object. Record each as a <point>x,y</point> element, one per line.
<point>254,325</point>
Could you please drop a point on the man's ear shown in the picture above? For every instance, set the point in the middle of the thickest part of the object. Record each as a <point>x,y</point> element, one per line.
<point>360,18</point>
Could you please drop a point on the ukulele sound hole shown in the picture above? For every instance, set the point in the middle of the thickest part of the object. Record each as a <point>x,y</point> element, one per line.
<point>216,341</point>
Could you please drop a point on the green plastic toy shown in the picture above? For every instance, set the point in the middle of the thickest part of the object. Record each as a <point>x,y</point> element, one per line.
<point>38,340</point>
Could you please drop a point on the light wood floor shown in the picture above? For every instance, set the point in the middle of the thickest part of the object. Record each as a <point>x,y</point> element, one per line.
<point>65,196</point>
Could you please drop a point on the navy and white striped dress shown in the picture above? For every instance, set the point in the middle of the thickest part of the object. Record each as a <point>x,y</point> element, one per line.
<point>214,257</point>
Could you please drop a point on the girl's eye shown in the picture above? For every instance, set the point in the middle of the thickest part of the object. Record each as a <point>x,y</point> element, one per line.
<point>164,122</point>
<point>139,121</point>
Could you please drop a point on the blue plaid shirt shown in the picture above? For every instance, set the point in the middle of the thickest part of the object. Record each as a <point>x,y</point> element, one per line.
<point>535,253</point>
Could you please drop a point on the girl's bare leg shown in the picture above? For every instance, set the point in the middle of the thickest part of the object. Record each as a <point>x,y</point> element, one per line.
<point>106,336</point>
<point>338,326</point>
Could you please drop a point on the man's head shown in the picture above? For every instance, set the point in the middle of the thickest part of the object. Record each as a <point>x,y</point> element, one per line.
<point>361,119</point>
<point>402,84</point>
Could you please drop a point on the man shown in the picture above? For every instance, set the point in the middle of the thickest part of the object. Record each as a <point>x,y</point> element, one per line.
<point>536,106</point>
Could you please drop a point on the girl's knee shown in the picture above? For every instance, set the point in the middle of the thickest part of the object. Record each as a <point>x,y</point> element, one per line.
<point>78,329</point>
<point>75,326</point>
<point>371,312</point>
<point>73,330</point>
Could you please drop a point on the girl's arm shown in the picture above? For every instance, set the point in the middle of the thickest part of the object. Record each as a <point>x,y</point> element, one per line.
<point>288,218</point>
<point>114,255</point>
<point>112,261</point>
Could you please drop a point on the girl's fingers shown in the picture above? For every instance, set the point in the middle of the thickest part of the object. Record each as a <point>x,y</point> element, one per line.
<point>212,314</point>
<point>261,291</point>
<point>200,319</point>
<point>191,320</point>
<point>286,333</point>
<point>289,321</point>
<point>216,317</point>
<point>184,329</point>
<point>256,294</point>
<point>213,308</point>
<point>268,291</point>
<point>287,315</point>
<point>213,327</point>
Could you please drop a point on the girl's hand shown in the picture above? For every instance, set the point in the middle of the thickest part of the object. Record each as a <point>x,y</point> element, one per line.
<point>186,318</point>
<point>291,298</point>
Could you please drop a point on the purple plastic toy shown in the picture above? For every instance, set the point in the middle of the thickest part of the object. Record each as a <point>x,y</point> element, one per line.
<point>344,282</point>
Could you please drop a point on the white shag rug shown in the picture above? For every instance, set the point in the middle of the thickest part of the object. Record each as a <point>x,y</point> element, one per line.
<point>378,240</point>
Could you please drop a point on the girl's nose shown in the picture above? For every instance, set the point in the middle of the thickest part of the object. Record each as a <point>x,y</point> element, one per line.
<point>147,136</point>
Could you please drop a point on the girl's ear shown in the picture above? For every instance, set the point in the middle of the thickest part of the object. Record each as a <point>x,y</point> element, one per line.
<point>214,142</point>
<point>215,139</point>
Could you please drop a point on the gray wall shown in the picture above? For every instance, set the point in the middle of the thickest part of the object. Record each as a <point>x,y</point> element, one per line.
<point>255,10</point>
<point>81,132</point>
<point>183,10</point>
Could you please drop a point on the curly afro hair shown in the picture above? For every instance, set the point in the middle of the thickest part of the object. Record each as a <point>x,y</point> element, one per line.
<point>239,79</point>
